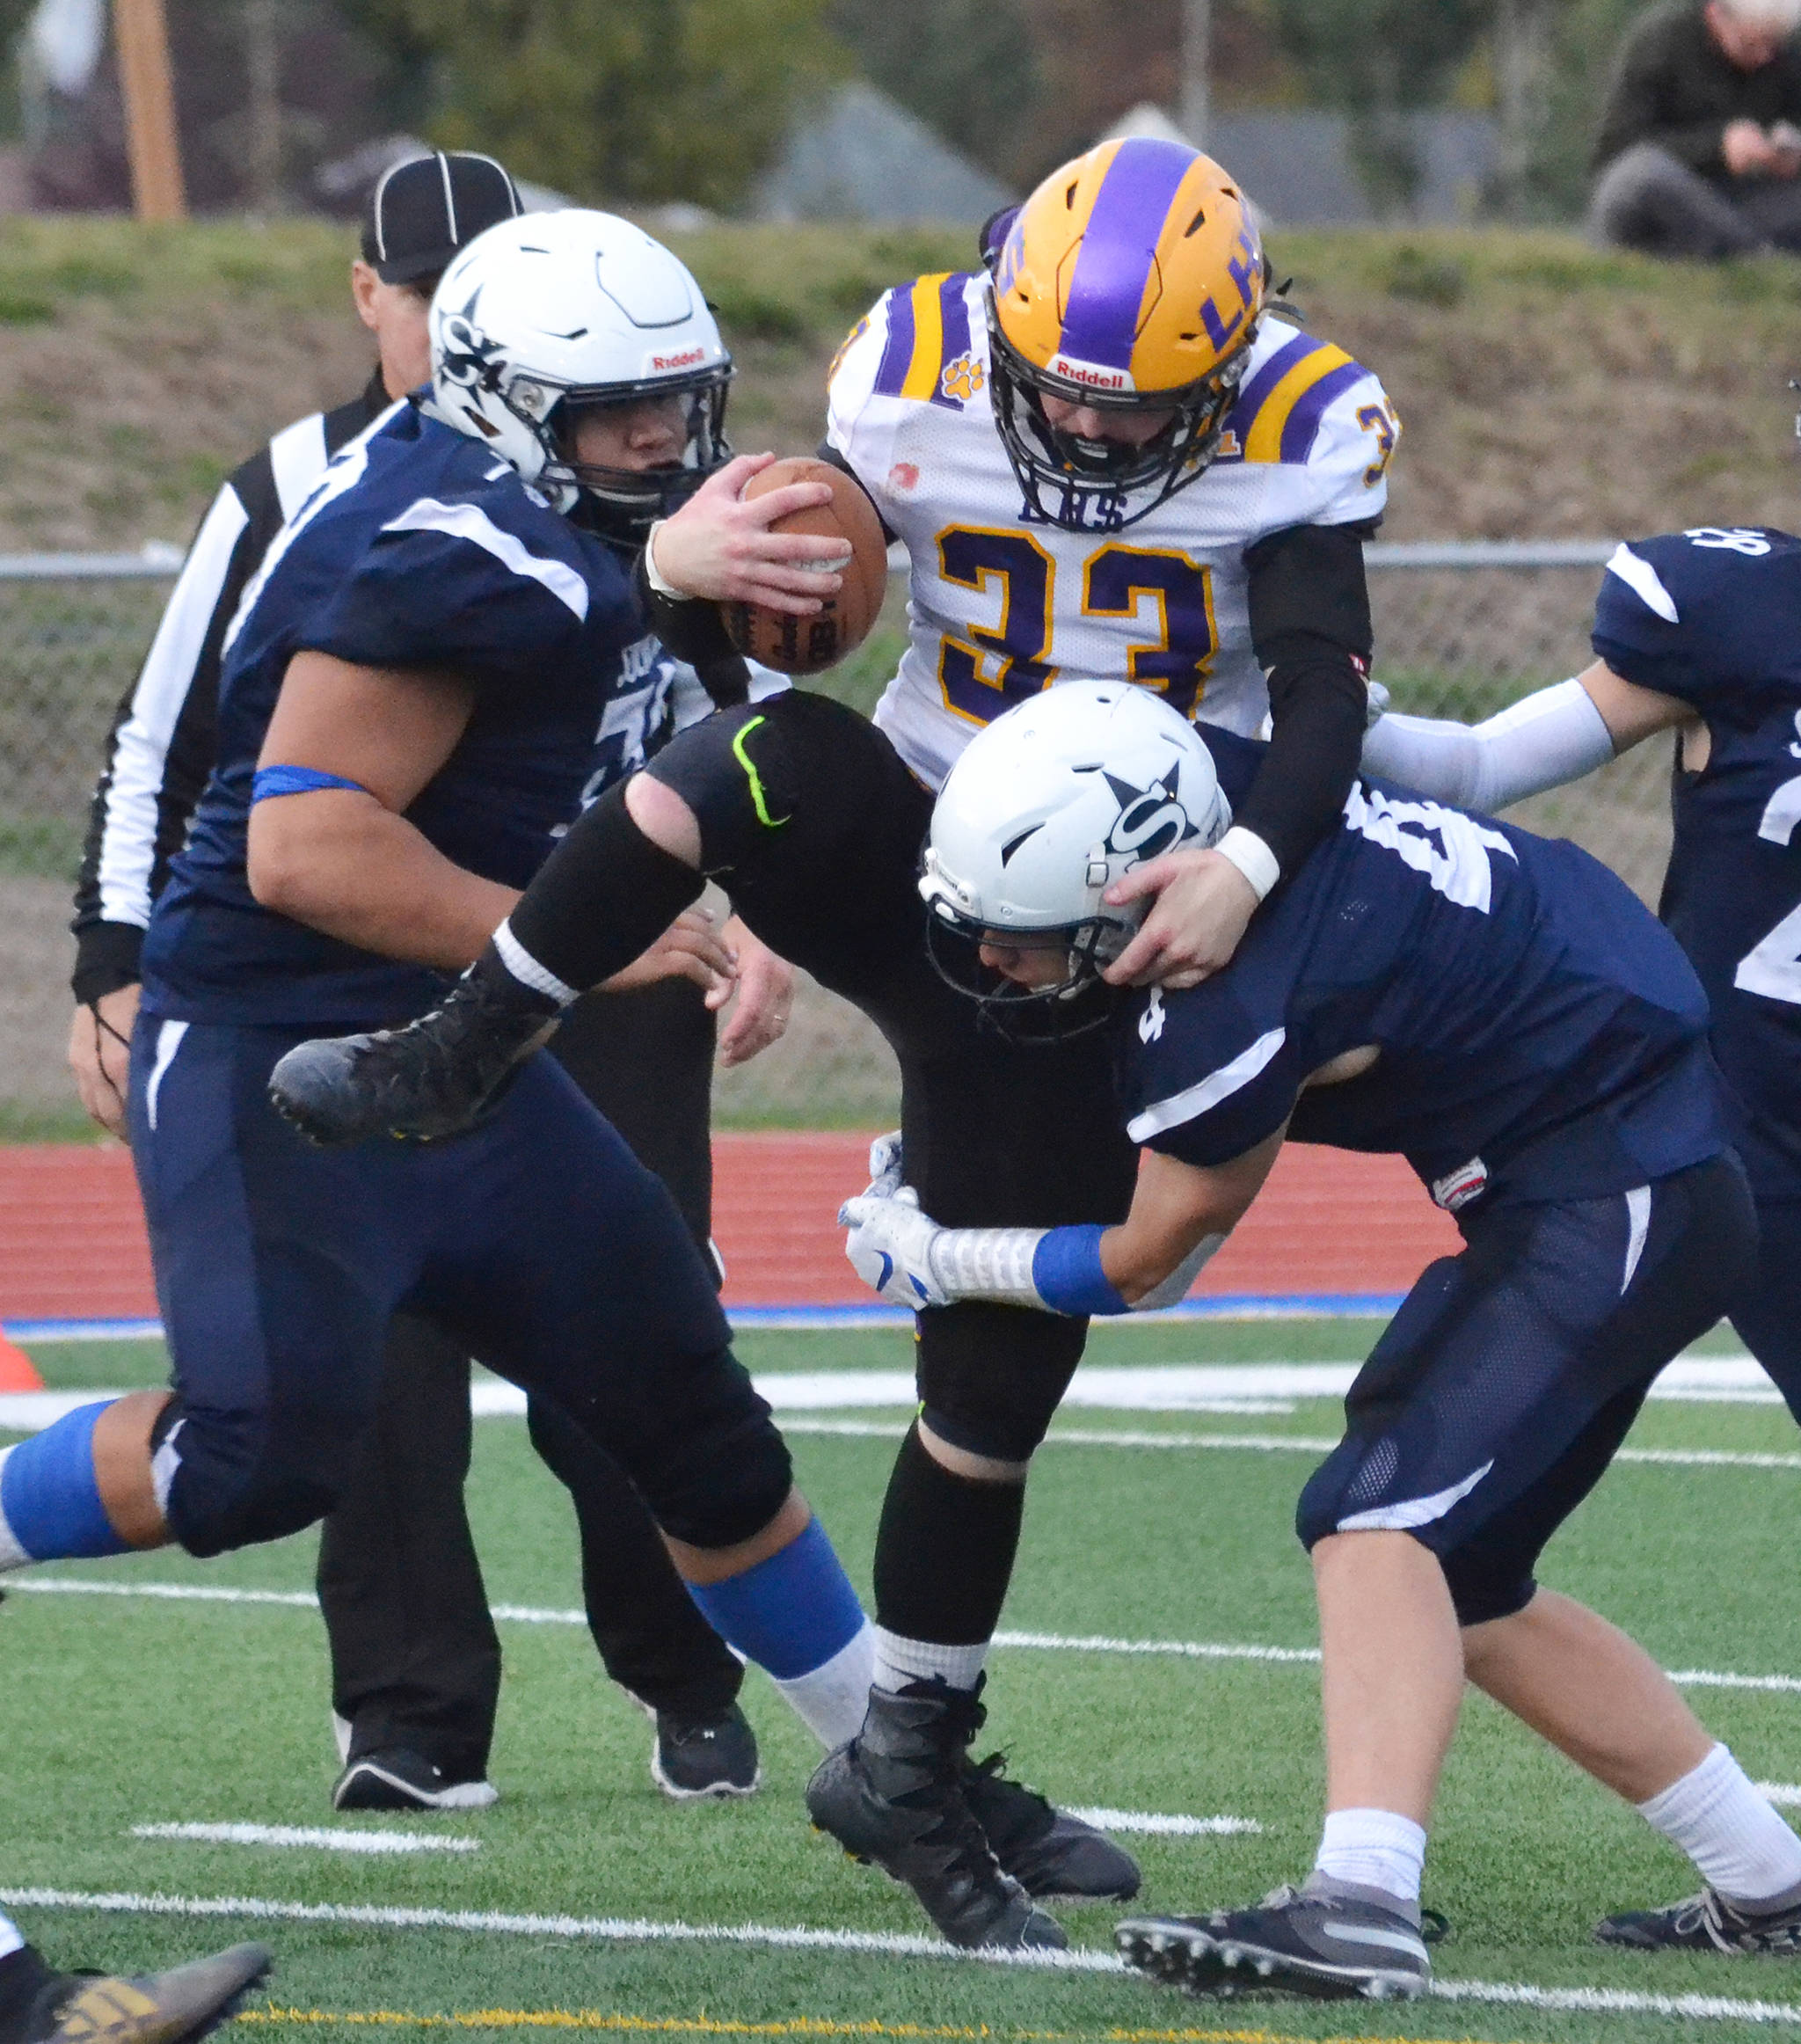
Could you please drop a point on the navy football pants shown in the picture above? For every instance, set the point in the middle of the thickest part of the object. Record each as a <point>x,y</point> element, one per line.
<point>1500,1391</point>
<point>538,1242</point>
<point>1767,1312</point>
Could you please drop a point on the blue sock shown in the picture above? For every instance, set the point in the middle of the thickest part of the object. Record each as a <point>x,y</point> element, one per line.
<point>790,1614</point>
<point>50,1508</point>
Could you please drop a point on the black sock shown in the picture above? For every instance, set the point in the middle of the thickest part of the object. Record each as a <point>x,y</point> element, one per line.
<point>944,1550</point>
<point>23,1977</point>
<point>602,898</point>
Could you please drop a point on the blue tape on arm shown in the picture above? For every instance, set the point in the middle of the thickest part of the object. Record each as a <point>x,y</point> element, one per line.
<point>790,1614</point>
<point>1066,1268</point>
<point>292,780</point>
<point>50,1497</point>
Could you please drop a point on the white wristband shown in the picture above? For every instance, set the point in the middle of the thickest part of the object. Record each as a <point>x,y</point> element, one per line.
<point>1252,857</point>
<point>651,571</point>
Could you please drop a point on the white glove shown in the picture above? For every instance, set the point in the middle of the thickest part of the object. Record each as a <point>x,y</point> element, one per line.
<point>890,1246</point>
<point>886,1172</point>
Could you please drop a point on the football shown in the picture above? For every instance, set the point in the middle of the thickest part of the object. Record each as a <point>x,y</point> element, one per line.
<point>806,645</point>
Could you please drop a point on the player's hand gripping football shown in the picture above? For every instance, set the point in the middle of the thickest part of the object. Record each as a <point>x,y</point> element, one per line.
<point>890,1241</point>
<point>720,545</point>
<point>1203,907</point>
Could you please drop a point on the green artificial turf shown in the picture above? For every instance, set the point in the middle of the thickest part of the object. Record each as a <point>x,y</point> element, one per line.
<point>121,1711</point>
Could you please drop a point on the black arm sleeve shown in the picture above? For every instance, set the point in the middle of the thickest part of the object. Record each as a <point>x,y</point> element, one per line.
<point>1310,625</point>
<point>693,631</point>
<point>829,453</point>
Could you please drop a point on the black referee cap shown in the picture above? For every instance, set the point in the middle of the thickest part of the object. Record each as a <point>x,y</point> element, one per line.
<point>421,213</point>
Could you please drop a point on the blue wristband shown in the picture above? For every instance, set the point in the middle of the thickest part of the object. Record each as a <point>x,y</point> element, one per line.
<point>1066,1268</point>
<point>295,780</point>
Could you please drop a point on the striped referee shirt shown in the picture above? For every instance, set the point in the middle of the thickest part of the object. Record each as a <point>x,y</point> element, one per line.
<point>163,742</point>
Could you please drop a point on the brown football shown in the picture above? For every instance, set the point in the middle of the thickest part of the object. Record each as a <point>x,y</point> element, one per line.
<point>806,645</point>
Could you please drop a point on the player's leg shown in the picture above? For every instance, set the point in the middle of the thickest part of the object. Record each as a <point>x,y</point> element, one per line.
<point>39,2005</point>
<point>993,1135</point>
<point>565,1263</point>
<point>1491,1407</point>
<point>415,1658</point>
<point>276,1270</point>
<point>646,1060</point>
<point>1767,1312</point>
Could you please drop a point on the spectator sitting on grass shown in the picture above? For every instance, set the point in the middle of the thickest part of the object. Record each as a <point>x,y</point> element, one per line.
<point>1700,141</point>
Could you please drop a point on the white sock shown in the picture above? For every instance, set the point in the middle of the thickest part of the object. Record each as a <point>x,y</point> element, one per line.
<point>1738,1843</point>
<point>832,1699</point>
<point>899,1661</point>
<point>10,1940</point>
<point>1372,1849</point>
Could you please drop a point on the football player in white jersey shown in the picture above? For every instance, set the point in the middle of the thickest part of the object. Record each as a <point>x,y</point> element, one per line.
<point>1107,458</point>
<point>1113,469</point>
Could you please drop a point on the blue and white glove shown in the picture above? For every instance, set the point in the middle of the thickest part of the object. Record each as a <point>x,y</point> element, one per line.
<point>890,1243</point>
<point>886,1172</point>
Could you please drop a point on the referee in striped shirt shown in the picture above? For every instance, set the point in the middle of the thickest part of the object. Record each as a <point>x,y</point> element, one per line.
<point>416,1660</point>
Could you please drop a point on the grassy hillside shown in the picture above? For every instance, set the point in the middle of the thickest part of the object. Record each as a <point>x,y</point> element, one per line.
<point>1546,389</point>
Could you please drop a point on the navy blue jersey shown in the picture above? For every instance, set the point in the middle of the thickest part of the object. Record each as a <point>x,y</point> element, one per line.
<point>1713,616</point>
<point>1542,1035</point>
<point>418,549</point>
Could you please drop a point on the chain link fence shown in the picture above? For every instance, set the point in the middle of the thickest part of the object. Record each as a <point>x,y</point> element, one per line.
<point>1460,631</point>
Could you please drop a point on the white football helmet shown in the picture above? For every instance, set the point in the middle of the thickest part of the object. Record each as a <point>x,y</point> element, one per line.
<point>551,312</point>
<point>1048,807</point>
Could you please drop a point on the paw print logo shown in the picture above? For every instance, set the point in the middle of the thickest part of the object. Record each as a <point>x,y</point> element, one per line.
<point>963,378</point>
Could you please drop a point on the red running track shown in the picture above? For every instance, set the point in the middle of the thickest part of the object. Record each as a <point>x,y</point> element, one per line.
<point>72,1237</point>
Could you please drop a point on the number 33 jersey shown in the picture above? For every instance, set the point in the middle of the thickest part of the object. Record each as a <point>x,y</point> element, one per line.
<point>1713,616</point>
<point>1003,604</point>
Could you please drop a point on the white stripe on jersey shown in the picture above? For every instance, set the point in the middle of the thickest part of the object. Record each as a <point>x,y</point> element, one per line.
<point>1645,582</point>
<point>342,472</point>
<point>128,838</point>
<point>469,522</point>
<point>297,457</point>
<point>1193,1101</point>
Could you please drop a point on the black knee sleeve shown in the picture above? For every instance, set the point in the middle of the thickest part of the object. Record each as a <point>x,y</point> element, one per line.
<point>720,1471</point>
<point>991,1377</point>
<point>944,1550</point>
<point>602,898</point>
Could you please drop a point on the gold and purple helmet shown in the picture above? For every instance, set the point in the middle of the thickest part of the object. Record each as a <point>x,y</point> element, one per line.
<point>1131,280</point>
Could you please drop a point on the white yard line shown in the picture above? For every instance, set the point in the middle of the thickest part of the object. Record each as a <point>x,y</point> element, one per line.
<point>887,1945</point>
<point>1171,1827</point>
<point>316,1836</point>
<point>1050,1642</point>
<point>1786,1795</point>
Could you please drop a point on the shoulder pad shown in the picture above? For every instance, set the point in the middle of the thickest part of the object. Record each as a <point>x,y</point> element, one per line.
<point>925,341</point>
<point>1286,395</point>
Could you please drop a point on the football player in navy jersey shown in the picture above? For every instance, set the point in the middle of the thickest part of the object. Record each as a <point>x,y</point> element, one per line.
<point>408,715</point>
<point>1697,632</point>
<point>1501,1010</point>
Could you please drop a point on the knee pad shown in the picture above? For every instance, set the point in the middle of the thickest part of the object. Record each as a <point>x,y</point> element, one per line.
<point>723,1473</point>
<point>991,1377</point>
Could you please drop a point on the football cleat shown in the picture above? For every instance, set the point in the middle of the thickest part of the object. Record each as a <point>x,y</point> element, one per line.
<point>1330,1948</point>
<point>186,2003</point>
<point>438,1076</point>
<point>1706,1923</point>
<point>1052,1855</point>
<point>695,1757</point>
<point>894,1798</point>
<point>395,1777</point>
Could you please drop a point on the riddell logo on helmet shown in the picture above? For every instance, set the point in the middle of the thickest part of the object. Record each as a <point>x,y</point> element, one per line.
<point>686,360</point>
<point>1090,374</point>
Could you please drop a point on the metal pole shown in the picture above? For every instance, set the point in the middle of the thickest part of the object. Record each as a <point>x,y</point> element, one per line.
<point>147,88</point>
<point>262,64</point>
<point>1197,69</point>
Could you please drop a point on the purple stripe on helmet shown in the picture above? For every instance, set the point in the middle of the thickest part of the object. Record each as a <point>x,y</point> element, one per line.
<point>899,352</point>
<point>1100,322</point>
<point>1257,387</point>
<point>953,313</point>
<point>1302,428</point>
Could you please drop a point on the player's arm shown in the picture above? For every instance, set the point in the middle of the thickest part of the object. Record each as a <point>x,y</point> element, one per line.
<point>1311,627</point>
<point>1546,739</point>
<point>1181,1214</point>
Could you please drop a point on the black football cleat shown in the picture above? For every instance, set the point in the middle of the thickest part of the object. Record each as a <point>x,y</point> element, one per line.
<point>1328,1947</point>
<point>894,1798</point>
<point>715,1757</point>
<point>177,2007</point>
<point>1052,1855</point>
<point>437,1077</point>
<point>1706,1923</point>
<point>395,1777</point>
